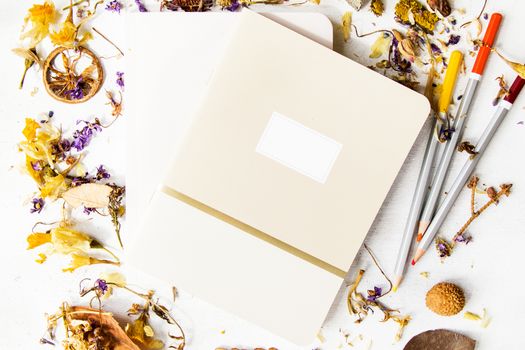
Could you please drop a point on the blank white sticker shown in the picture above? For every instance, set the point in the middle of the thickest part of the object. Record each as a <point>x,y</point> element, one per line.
<point>298,147</point>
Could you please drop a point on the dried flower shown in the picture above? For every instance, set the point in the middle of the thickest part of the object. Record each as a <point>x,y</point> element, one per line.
<point>462,238</point>
<point>68,33</point>
<point>115,105</point>
<point>412,12</point>
<point>373,294</point>
<point>453,39</point>
<point>80,260</point>
<point>40,16</point>
<point>120,80</point>
<point>141,6</point>
<point>102,173</point>
<point>377,7</point>
<point>503,90</point>
<point>82,137</point>
<point>77,92</point>
<point>101,285</point>
<point>38,205</point>
<point>114,6</point>
<point>346,22</point>
<point>443,247</point>
<point>466,146</point>
<point>441,6</point>
<point>30,58</point>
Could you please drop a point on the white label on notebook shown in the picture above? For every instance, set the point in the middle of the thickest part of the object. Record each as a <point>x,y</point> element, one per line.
<point>298,147</point>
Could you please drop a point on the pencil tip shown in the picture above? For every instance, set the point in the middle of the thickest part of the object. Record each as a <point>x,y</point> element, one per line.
<point>419,237</point>
<point>394,289</point>
<point>413,262</point>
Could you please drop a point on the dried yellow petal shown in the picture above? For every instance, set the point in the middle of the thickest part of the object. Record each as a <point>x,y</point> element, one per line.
<point>53,186</point>
<point>517,67</point>
<point>381,46</point>
<point>346,22</point>
<point>471,316</point>
<point>30,129</point>
<point>40,16</point>
<point>37,239</point>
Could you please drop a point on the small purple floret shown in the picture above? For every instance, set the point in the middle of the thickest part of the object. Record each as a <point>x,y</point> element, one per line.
<point>114,6</point>
<point>120,80</point>
<point>101,285</point>
<point>141,6</point>
<point>38,204</point>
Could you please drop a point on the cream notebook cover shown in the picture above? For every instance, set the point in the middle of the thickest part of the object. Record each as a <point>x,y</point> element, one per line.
<point>159,44</point>
<point>279,178</point>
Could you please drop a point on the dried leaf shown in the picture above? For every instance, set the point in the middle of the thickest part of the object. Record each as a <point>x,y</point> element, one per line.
<point>346,22</point>
<point>440,339</point>
<point>90,195</point>
<point>517,67</point>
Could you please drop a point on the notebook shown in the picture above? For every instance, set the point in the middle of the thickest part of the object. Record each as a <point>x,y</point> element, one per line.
<point>277,181</point>
<point>159,44</point>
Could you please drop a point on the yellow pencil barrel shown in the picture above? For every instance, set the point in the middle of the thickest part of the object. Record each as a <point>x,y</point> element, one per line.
<point>454,64</point>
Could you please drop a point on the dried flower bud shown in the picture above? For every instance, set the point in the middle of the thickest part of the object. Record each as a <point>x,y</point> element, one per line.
<point>492,193</point>
<point>473,182</point>
<point>441,6</point>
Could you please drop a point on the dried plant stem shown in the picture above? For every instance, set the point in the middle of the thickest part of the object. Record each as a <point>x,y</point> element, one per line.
<point>148,298</point>
<point>477,18</point>
<point>370,33</point>
<point>109,41</point>
<point>473,196</point>
<point>504,190</point>
<point>380,269</point>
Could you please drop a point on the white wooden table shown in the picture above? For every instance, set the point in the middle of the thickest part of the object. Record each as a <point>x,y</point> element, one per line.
<point>489,269</point>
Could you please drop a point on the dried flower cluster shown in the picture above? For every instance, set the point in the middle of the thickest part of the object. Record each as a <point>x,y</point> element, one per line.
<point>360,306</point>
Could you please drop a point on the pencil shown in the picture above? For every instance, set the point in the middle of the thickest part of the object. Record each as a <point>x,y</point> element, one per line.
<point>456,59</point>
<point>465,173</point>
<point>459,122</point>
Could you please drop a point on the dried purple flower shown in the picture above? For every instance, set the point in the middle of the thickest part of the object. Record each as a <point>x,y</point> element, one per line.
<point>101,285</point>
<point>453,39</point>
<point>120,80</point>
<point>81,138</point>
<point>114,6</point>
<point>102,173</point>
<point>443,247</point>
<point>485,16</point>
<point>88,211</point>
<point>79,180</point>
<point>76,93</point>
<point>36,166</point>
<point>38,204</point>
<point>435,49</point>
<point>374,294</point>
<point>234,6</point>
<point>463,238</point>
<point>141,6</point>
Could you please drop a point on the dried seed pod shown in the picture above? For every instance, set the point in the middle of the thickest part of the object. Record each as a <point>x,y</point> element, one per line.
<point>445,299</point>
<point>441,6</point>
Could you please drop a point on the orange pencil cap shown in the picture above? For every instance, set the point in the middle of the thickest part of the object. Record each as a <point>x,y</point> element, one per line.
<point>488,41</point>
<point>492,29</point>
